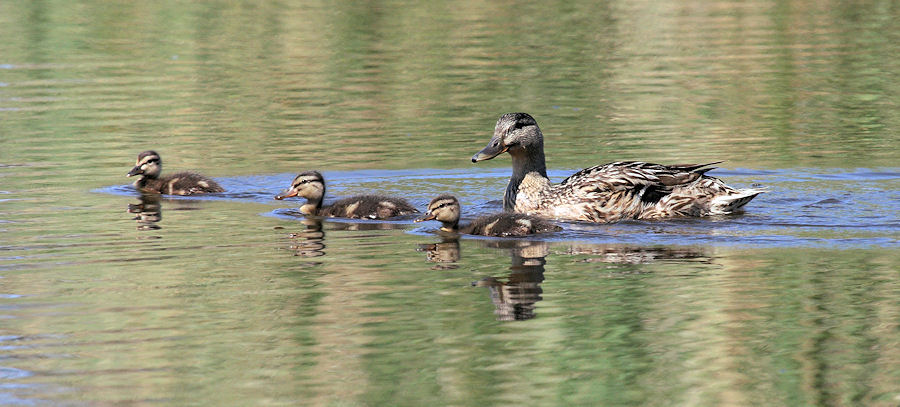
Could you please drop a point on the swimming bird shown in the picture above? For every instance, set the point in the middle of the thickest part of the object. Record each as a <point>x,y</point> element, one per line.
<point>311,185</point>
<point>149,167</point>
<point>446,209</point>
<point>604,193</point>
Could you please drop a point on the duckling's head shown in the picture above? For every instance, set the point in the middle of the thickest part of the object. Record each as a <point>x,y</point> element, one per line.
<point>148,164</point>
<point>444,209</point>
<point>309,185</point>
<point>516,133</point>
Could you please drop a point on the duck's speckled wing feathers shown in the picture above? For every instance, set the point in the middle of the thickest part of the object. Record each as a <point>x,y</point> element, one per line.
<point>659,180</point>
<point>635,190</point>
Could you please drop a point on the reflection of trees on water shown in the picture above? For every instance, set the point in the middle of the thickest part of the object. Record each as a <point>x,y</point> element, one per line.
<point>148,212</point>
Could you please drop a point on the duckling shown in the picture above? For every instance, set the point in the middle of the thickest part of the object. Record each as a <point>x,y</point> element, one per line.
<point>311,185</point>
<point>608,192</point>
<point>446,209</point>
<point>149,166</point>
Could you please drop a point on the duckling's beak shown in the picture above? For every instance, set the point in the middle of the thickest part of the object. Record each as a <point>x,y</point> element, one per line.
<point>428,216</point>
<point>135,171</point>
<point>493,149</point>
<point>286,194</point>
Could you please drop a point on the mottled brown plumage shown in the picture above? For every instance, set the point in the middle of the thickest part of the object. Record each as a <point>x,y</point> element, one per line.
<point>311,185</point>
<point>446,209</point>
<point>604,193</point>
<point>149,167</point>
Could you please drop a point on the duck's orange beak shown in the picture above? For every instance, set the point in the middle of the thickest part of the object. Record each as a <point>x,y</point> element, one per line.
<point>428,216</point>
<point>286,194</point>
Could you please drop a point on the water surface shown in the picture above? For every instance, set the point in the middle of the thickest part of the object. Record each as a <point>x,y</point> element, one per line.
<point>110,298</point>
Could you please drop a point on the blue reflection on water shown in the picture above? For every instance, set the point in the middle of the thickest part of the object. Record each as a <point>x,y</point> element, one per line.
<point>805,207</point>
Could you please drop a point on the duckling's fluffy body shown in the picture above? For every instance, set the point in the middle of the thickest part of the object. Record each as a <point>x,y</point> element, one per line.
<point>368,207</point>
<point>149,167</point>
<point>446,209</point>
<point>508,224</point>
<point>608,192</point>
<point>311,185</point>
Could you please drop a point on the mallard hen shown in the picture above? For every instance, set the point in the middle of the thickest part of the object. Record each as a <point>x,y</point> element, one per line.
<point>311,185</point>
<point>608,192</point>
<point>149,167</point>
<point>446,209</point>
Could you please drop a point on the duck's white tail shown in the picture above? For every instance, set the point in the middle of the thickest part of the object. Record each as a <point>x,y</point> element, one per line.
<point>731,203</point>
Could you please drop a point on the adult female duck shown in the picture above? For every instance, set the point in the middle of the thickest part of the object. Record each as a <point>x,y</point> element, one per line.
<point>608,192</point>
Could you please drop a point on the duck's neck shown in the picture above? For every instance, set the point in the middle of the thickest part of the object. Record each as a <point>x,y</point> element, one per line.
<point>524,162</point>
<point>311,207</point>
<point>142,181</point>
<point>452,227</point>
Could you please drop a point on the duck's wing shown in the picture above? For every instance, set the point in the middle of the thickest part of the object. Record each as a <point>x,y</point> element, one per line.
<point>651,181</point>
<point>370,207</point>
<point>189,183</point>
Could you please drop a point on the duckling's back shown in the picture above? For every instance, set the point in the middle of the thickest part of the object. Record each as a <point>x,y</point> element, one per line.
<point>182,183</point>
<point>368,207</point>
<point>510,224</point>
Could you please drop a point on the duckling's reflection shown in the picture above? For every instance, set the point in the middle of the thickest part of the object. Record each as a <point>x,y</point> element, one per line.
<point>445,254</point>
<point>517,296</point>
<point>148,211</point>
<point>515,299</point>
<point>309,242</point>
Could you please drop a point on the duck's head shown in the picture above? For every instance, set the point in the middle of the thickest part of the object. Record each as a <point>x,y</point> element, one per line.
<point>148,164</point>
<point>309,185</point>
<point>516,133</point>
<point>444,209</point>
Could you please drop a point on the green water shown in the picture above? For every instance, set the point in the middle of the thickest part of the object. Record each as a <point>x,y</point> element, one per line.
<point>237,300</point>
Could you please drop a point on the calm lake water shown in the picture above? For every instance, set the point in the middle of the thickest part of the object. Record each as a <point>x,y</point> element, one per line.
<point>110,298</point>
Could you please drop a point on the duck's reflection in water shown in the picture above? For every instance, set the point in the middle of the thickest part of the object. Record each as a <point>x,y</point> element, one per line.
<point>515,295</point>
<point>445,254</point>
<point>148,212</point>
<point>310,241</point>
<point>623,254</point>
<point>515,298</point>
